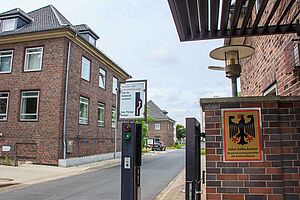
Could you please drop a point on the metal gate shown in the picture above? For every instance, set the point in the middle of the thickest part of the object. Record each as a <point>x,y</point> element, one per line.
<point>193,160</point>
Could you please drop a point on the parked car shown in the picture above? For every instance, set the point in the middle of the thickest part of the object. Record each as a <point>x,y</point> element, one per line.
<point>159,146</point>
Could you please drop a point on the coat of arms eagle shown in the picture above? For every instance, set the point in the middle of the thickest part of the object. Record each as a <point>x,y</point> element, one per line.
<point>241,132</point>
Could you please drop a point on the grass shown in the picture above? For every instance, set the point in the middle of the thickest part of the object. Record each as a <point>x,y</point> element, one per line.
<point>176,146</point>
<point>7,161</point>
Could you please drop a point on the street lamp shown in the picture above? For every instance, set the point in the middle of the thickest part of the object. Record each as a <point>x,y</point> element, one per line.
<point>231,55</point>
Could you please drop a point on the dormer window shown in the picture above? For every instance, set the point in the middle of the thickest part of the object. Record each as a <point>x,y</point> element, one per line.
<point>8,25</point>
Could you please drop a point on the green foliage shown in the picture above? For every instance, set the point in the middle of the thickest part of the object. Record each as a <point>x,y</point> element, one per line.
<point>180,131</point>
<point>176,146</point>
<point>145,128</point>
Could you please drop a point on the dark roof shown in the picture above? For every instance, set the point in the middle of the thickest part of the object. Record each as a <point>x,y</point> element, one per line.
<point>49,18</point>
<point>84,28</point>
<point>16,11</point>
<point>46,18</point>
<point>199,20</point>
<point>156,112</point>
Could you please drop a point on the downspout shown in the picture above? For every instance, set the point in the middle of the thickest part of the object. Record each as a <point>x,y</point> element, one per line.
<point>66,103</point>
<point>116,123</point>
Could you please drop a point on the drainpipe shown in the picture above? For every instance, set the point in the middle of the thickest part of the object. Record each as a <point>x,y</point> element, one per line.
<point>116,123</point>
<point>66,103</point>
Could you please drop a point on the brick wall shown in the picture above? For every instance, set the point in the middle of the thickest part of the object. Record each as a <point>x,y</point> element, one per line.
<point>90,139</point>
<point>277,177</point>
<point>38,141</point>
<point>42,141</point>
<point>273,60</point>
<point>166,132</point>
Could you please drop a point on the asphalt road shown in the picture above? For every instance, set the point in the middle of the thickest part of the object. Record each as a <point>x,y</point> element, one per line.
<point>104,184</point>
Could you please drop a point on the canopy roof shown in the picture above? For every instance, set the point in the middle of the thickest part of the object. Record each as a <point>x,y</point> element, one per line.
<point>213,19</point>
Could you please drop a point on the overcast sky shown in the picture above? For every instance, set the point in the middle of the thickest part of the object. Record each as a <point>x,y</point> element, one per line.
<point>140,36</point>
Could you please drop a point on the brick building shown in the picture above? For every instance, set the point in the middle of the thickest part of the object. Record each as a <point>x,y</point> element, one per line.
<point>274,68</point>
<point>57,91</point>
<point>162,126</point>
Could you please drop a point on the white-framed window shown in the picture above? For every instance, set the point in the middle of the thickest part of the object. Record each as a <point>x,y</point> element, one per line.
<point>8,24</point>
<point>6,58</point>
<point>102,77</point>
<point>33,59</point>
<point>113,117</point>
<point>157,126</point>
<point>85,69</point>
<point>101,114</point>
<point>29,106</point>
<point>92,40</point>
<point>84,110</point>
<point>3,105</point>
<point>115,85</point>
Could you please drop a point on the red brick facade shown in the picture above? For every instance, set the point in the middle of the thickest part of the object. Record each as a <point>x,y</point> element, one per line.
<point>273,61</point>
<point>42,141</point>
<point>277,177</point>
<point>166,132</point>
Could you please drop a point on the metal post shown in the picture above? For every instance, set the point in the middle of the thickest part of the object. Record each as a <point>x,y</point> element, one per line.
<point>131,161</point>
<point>234,86</point>
<point>193,177</point>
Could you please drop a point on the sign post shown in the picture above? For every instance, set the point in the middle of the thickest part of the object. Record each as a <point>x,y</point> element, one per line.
<point>132,107</point>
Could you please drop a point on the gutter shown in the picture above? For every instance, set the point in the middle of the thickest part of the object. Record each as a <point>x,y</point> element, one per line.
<point>66,103</point>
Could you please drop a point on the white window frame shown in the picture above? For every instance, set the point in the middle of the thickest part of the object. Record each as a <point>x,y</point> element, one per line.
<point>86,61</point>
<point>271,89</point>
<point>83,120</point>
<point>157,126</point>
<point>6,111</point>
<point>113,117</point>
<point>7,21</point>
<point>92,40</point>
<point>102,77</point>
<point>11,60</point>
<point>41,61</point>
<point>115,85</point>
<point>37,105</point>
<point>101,106</point>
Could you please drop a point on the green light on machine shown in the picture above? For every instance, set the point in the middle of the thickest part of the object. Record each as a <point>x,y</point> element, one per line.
<point>127,136</point>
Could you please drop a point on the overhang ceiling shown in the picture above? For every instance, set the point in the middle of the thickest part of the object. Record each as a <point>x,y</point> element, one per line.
<point>215,19</point>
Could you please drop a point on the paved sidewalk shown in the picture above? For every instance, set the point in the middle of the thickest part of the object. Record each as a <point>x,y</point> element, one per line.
<point>27,174</point>
<point>175,189</point>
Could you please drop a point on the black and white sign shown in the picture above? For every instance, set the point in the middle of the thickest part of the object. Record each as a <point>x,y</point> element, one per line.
<point>5,148</point>
<point>133,100</point>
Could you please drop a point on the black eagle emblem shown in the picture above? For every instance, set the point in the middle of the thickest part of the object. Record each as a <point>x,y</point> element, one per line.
<point>241,132</point>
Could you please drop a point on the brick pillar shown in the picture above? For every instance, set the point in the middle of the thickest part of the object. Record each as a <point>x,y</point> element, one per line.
<point>277,177</point>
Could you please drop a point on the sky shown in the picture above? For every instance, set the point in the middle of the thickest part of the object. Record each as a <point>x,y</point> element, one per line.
<point>140,36</point>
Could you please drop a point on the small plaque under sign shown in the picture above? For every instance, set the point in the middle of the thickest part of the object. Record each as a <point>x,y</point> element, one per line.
<point>5,148</point>
<point>126,162</point>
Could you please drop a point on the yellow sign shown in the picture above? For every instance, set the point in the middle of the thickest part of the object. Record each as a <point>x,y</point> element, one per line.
<point>242,135</point>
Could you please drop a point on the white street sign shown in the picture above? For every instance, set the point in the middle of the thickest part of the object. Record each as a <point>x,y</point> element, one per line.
<point>133,100</point>
<point>5,148</point>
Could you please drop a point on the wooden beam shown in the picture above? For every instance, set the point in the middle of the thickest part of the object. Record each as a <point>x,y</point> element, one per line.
<point>247,15</point>
<point>179,13</point>
<point>214,16</point>
<point>225,15</point>
<point>193,18</point>
<point>203,12</point>
<point>275,6</point>
<point>236,15</point>
<point>259,15</point>
<point>288,7</point>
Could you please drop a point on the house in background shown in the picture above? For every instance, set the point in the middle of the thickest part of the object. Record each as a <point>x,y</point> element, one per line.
<point>161,129</point>
<point>57,91</point>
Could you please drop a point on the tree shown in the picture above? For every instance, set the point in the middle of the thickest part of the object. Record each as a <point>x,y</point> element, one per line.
<point>180,131</point>
<point>145,128</point>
